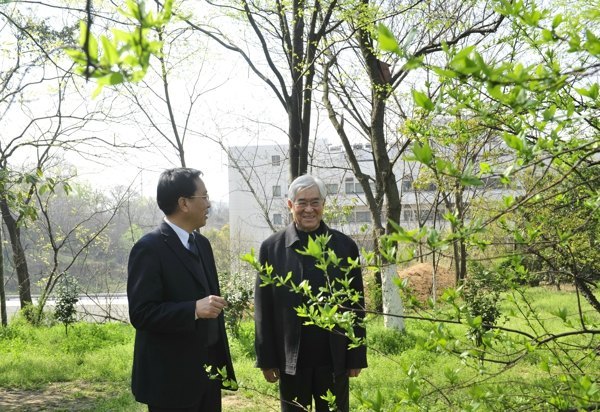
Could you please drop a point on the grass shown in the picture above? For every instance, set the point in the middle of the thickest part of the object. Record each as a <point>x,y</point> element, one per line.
<point>89,369</point>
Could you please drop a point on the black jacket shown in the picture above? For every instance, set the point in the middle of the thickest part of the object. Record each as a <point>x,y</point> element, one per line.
<point>164,282</point>
<point>277,326</point>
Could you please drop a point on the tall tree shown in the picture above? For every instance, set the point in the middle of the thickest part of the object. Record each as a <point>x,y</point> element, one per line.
<point>363,93</point>
<point>357,97</point>
<point>290,36</point>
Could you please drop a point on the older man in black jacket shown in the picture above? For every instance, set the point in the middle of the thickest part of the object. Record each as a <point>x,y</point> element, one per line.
<point>306,359</point>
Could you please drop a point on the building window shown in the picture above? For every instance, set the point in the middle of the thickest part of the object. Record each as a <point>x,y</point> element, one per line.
<point>275,160</point>
<point>351,186</point>
<point>332,188</point>
<point>363,217</point>
<point>277,219</point>
<point>276,191</point>
<point>406,185</point>
<point>408,215</point>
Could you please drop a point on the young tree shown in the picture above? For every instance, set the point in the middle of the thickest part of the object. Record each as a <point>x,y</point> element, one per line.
<point>68,293</point>
<point>66,237</point>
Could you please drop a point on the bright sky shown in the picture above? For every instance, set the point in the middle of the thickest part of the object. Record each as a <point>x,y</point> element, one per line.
<point>236,108</point>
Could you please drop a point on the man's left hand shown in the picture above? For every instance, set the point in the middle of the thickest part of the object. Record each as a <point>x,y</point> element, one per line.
<point>353,373</point>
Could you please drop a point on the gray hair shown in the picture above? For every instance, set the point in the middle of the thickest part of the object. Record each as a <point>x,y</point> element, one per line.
<point>306,182</point>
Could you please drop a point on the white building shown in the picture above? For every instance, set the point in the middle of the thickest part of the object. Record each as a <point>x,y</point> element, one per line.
<point>259,177</point>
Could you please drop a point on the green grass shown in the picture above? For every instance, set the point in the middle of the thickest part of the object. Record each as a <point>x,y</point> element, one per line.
<point>89,369</point>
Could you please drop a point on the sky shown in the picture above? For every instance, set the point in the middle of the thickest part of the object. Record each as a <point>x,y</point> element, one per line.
<point>235,107</point>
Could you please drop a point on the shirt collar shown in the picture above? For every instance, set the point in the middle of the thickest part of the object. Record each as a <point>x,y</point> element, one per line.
<point>182,234</point>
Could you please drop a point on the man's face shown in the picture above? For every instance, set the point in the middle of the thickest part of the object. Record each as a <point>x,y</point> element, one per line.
<point>307,209</point>
<point>198,205</point>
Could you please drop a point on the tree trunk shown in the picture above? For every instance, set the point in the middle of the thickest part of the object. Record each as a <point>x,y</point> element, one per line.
<point>392,303</point>
<point>14,234</point>
<point>461,264</point>
<point>383,166</point>
<point>2,291</point>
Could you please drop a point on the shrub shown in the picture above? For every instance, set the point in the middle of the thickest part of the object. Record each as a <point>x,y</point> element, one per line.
<point>67,297</point>
<point>389,341</point>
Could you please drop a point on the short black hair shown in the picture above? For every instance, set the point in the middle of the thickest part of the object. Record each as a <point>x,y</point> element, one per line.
<point>173,184</point>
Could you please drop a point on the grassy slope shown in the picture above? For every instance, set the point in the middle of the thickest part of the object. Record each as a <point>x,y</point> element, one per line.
<point>89,369</point>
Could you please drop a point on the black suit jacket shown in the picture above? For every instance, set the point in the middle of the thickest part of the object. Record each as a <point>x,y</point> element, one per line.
<point>277,326</point>
<point>171,348</point>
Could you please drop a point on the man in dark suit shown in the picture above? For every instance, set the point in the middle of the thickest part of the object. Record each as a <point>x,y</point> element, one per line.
<point>307,360</point>
<point>175,304</point>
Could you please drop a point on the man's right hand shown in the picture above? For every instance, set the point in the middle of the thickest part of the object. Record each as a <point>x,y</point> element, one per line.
<point>271,375</point>
<point>210,307</point>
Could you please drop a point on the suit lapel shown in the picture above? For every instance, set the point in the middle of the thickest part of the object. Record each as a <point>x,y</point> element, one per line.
<point>188,260</point>
<point>208,275</point>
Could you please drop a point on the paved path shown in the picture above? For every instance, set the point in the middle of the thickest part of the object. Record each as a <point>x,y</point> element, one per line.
<point>90,308</point>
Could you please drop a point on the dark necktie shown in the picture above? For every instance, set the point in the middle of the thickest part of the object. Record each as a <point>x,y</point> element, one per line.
<point>192,245</point>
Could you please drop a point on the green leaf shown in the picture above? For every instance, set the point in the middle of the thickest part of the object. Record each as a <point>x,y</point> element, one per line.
<point>549,113</point>
<point>495,91</point>
<point>77,55</point>
<point>558,19</point>
<point>111,56</point>
<point>97,91</point>
<point>514,142</point>
<point>387,41</point>
<point>592,43</point>
<point>444,73</point>
<point>413,63</point>
<point>574,42</point>
<point>470,180</point>
<point>508,201</point>
<point>485,168</point>
<point>422,100</point>
<point>82,32</point>
<point>110,79</point>
<point>423,153</point>
<point>547,35</point>
<point>592,92</point>
<point>92,48</point>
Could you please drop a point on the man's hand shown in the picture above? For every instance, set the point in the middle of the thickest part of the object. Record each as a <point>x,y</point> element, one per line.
<point>210,307</point>
<point>271,375</point>
<point>353,373</point>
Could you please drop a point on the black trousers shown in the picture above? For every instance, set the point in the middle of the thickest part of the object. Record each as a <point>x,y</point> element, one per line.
<point>310,384</point>
<point>210,402</point>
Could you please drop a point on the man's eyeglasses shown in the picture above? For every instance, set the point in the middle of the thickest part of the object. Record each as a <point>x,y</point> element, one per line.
<point>315,203</point>
<point>196,196</point>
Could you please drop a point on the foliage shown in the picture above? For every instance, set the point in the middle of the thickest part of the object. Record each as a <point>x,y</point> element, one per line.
<point>67,294</point>
<point>561,240</point>
<point>335,306</point>
<point>481,291</point>
<point>125,56</point>
<point>402,366</point>
<point>373,296</point>
<point>544,106</point>
<point>239,301</point>
<point>389,341</point>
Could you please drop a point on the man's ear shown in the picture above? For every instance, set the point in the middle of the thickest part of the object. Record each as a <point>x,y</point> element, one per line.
<point>182,203</point>
<point>290,204</point>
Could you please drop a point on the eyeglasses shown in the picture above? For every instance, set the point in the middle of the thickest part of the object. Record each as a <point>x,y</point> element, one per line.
<point>315,203</point>
<point>202,196</point>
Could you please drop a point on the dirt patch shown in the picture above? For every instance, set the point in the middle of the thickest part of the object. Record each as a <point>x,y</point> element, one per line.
<point>55,397</point>
<point>80,397</point>
<point>420,280</point>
